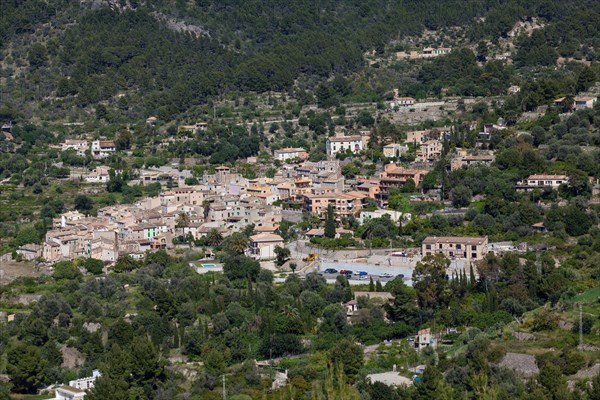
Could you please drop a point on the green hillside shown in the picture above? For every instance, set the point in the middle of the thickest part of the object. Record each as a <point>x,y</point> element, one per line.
<point>60,59</point>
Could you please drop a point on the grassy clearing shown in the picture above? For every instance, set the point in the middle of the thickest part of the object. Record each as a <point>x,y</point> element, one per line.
<point>589,296</point>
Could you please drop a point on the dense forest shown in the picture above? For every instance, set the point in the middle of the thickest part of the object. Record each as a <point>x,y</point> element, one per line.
<point>131,323</point>
<point>61,54</point>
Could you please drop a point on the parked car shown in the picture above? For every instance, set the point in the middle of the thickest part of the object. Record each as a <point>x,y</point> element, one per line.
<point>386,275</point>
<point>363,277</point>
<point>331,271</point>
<point>346,272</point>
<point>361,273</point>
<point>399,254</point>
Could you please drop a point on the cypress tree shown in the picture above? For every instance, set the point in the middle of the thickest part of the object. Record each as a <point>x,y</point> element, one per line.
<point>492,299</point>
<point>472,280</point>
<point>330,223</point>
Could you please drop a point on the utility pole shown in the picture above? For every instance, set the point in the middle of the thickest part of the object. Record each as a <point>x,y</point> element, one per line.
<point>580,327</point>
<point>224,393</point>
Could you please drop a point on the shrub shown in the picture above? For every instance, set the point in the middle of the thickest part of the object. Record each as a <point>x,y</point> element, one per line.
<point>65,270</point>
<point>587,322</point>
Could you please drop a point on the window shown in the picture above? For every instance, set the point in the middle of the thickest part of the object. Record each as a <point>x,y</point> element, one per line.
<point>428,247</point>
<point>473,255</point>
<point>458,246</point>
<point>474,248</point>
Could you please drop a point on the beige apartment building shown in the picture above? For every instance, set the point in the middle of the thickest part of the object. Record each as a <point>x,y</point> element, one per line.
<point>422,136</point>
<point>430,150</point>
<point>262,246</point>
<point>343,205</point>
<point>394,150</point>
<point>468,248</point>
<point>396,176</point>
<point>187,195</point>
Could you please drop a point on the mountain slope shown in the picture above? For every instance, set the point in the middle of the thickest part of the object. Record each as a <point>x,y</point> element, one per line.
<point>60,59</point>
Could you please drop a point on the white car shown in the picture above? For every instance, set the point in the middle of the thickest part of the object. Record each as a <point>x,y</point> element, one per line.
<point>386,275</point>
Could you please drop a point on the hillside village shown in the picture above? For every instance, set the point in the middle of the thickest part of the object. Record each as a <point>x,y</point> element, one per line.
<point>197,212</point>
<point>272,200</point>
<point>226,202</point>
<point>280,217</point>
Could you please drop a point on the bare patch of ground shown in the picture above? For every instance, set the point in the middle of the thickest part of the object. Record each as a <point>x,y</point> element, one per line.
<point>10,270</point>
<point>589,372</point>
<point>72,358</point>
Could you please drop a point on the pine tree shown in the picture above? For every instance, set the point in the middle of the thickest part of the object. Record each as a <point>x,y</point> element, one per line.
<point>594,389</point>
<point>109,388</point>
<point>371,284</point>
<point>26,367</point>
<point>378,286</point>
<point>433,386</point>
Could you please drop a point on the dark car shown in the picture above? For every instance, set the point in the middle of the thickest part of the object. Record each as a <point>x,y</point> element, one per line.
<point>331,271</point>
<point>345,272</point>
